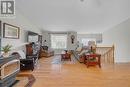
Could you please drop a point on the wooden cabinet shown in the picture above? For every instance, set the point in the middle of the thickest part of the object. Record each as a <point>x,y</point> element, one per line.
<point>29,49</point>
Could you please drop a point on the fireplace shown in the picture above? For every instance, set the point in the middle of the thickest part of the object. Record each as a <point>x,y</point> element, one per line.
<point>9,68</point>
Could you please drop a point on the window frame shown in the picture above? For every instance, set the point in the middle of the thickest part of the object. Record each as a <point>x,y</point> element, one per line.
<point>65,35</point>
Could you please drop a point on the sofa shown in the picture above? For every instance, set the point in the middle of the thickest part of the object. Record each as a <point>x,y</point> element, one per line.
<point>46,52</point>
<point>79,52</point>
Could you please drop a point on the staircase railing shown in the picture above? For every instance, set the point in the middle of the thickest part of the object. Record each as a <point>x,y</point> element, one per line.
<point>107,54</point>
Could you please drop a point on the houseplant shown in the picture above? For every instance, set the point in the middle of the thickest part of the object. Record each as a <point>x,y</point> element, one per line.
<point>6,50</point>
<point>92,50</point>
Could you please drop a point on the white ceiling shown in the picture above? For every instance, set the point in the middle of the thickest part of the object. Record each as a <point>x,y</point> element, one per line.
<point>67,15</point>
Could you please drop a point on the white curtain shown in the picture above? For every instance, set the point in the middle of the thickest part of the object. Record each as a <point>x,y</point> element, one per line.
<point>59,41</point>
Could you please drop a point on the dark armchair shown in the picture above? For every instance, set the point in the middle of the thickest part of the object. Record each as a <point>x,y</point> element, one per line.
<point>31,58</point>
<point>25,63</point>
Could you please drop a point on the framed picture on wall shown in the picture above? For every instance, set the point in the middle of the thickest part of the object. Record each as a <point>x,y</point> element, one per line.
<point>10,31</point>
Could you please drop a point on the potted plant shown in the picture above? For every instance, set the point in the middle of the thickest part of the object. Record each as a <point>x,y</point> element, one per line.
<point>92,50</point>
<point>6,50</point>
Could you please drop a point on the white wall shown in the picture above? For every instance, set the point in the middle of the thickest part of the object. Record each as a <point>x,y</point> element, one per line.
<point>96,36</point>
<point>71,46</point>
<point>24,25</point>
<point>119,36</point>
<point>46,36</point>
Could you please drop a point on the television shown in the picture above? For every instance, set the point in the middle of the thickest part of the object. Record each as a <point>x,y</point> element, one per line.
<point>32,36</point>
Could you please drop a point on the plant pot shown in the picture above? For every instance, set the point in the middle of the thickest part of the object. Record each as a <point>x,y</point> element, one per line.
<point>5,54</point>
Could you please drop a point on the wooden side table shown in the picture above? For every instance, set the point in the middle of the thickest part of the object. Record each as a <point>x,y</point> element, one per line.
<point>66,56</point>
<point>93,59</point>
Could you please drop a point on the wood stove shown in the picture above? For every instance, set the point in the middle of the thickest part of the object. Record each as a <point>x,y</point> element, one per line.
<point>9,68</point>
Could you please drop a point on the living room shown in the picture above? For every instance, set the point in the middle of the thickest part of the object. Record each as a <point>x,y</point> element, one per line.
<point>62,25</point>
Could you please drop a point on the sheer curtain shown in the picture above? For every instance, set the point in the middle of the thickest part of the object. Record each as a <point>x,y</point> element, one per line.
<point>59,41</point>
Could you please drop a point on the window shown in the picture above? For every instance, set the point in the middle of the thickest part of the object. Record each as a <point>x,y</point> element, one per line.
<point>58,41</point>
<point>86,40</point>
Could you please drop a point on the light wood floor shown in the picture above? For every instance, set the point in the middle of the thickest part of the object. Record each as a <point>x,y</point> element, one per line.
<point>51,72</point>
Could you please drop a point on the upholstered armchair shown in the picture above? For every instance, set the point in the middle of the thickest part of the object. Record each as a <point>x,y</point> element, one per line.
<point>29,60</point>
<point>25,63</point>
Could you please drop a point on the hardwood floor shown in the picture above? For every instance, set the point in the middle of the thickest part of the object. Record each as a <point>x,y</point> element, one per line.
<point>51,72</point>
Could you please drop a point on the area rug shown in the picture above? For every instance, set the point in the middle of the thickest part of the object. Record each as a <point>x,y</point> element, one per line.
<point>57,60</point>
<point>25,80</point>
